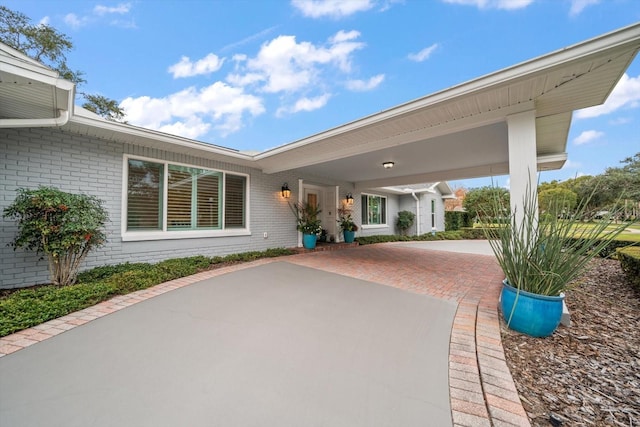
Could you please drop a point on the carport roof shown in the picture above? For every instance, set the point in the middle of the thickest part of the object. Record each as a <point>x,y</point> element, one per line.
<point>459,132</point>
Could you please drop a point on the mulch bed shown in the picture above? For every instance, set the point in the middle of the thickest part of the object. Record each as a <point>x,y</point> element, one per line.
<point>587,374</point>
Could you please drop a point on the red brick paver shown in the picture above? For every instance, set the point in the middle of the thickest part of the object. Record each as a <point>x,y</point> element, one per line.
<point>481,388</point>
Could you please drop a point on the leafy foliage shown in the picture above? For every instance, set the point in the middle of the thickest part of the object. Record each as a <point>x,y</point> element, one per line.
<point>345,220</point>
<point>455,220</point>
<point>544,257</point>
<point>64,226</point>
<point>630,263</point>
<point>557,201</point>
<point>479,202</point>
<point>49,46</point>
<point>307,220</point>
<point>405,221</point>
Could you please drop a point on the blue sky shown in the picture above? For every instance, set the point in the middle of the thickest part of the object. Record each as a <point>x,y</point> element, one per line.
<point>252,75</point>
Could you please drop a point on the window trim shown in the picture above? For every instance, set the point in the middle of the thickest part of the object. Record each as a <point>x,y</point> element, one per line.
<point>366,207</point>
<point>165,234</point>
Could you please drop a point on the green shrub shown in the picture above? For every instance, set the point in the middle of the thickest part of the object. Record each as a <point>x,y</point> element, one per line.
<point>63,226</point>
<point>405,221</point>
<point>455,220</point>
<point>630,262</point>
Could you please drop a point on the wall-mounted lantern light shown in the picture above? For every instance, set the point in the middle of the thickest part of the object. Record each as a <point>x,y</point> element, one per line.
<point>286,193</point>
<point>349,199</point>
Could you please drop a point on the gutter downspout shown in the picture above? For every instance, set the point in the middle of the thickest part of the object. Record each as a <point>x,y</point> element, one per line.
<point>417,199</point>
<point>61,120</point>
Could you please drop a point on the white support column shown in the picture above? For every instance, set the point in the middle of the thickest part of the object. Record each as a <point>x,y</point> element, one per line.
<point>522,161</point>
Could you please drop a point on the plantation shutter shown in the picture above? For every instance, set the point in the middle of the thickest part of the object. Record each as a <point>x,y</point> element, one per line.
<point>144,195</point>
<point>234,211</point>
<point>364,206</point>
<point>208,200</point>
<point>180,188</point>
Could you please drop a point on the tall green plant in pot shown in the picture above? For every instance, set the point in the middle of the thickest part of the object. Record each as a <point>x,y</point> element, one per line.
<point>346,224</point>
<point>307,222</point>
<point>540,259</point>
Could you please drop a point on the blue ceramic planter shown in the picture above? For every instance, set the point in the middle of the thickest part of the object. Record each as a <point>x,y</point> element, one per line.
<point>349,236</point>
<point>534,315</point>
<point>309,241</point>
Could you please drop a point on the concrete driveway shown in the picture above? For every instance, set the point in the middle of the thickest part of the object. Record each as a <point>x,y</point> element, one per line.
<point>277,344</point>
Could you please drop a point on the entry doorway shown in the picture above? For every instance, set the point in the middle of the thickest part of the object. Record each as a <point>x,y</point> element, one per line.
<point>325,198</point>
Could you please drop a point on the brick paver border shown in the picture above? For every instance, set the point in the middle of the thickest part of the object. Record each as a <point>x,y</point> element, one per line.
<point>481,388</point>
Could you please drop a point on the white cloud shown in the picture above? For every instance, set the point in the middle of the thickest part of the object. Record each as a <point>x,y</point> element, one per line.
<point>189,111</point>
<point>185,68</point>
<point>44,21</point>
<point>284,65</point>
<point>74,21</point>
<point>626,94</point>
<point>305,104</point>
<point>620,121</point>
<point>493,4</point>
<point>331,8</point>
<point>100,13</point>
<point>424,54</point>
<point>587,136</point>
<point>120,9</point>
<point>577,6</point>
<point>365,85</point>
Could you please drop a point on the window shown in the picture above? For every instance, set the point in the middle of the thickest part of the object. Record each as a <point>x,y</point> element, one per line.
<point>193,198</point>
<point>433,214</point>
<point>374,210</point>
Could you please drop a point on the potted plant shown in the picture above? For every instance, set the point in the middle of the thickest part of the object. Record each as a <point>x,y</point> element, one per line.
<point>540,259</point>
<point>346,224</point>
<point>308,222</point>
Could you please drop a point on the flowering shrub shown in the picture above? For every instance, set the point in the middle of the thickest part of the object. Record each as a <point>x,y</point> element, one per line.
<point>64,226</point>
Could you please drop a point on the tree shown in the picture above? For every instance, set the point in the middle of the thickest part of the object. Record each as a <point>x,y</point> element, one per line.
<point>480,202</point>
<point>48,46</point>
<point>557,201</point>
<point>64,226</point>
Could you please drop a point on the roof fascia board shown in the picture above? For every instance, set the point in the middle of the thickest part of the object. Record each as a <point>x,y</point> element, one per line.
<point>626,35</point>
<point>275,165</point>
<point>16,54</point>
<point>121,128</point>
<point>41,75</point>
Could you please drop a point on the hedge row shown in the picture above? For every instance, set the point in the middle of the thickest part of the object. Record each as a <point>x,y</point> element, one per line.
<point>630,263</point>
<point>457,220</point>
<point>466,233</point>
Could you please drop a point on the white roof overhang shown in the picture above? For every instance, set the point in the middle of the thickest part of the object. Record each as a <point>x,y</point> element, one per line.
<point>461,132</point>
<point>32,95</point>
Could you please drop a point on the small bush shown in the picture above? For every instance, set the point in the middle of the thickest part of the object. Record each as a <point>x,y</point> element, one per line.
<point>63,226</point>
<point>630,263</point>
<point>455,220</point>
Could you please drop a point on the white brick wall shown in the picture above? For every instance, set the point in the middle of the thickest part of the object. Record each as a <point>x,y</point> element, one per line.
<point>33,157</point>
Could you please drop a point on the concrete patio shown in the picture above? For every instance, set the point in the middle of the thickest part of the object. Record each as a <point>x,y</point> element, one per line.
<point>310,339</point>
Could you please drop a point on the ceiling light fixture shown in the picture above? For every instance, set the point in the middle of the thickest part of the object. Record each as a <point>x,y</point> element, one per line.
<point>388,165</point>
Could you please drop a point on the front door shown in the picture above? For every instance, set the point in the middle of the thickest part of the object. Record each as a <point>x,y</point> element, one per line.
<point>323,198</point>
